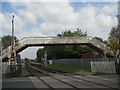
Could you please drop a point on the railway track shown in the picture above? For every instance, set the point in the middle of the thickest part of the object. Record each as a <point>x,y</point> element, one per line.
<point>37,72</point>
<point>38,69</point>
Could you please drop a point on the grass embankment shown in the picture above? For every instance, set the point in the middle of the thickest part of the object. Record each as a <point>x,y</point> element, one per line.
<point>70,69</point>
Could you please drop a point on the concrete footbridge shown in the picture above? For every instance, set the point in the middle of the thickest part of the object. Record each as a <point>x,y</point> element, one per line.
<point>48,41</point>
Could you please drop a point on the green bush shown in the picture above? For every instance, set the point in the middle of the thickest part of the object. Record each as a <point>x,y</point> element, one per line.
<point>26,60</point>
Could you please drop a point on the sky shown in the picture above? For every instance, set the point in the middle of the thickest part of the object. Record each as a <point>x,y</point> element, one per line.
<point>36,19</point>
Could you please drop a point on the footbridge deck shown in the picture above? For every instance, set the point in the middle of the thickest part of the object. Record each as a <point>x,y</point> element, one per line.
<point>47,41</point>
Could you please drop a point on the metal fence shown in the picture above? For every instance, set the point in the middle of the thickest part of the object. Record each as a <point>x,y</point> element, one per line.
<point>80,62</point>
<point>73,62</point>
<point>104,65</point>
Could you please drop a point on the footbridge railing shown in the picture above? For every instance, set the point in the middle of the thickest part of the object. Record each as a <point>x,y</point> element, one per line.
<point>57,40</point>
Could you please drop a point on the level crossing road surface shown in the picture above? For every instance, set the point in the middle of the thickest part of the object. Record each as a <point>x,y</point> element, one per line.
<point>17,82</point>
<point>33,82</point>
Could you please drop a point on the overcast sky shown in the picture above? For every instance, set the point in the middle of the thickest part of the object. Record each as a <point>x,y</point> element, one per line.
<point>50,18</point>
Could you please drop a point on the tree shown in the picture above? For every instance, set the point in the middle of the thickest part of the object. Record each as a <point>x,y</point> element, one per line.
<point>113,46</point>
<point>40,54</point>
<point>74,51</point>
<point>101,40</point>
<point>6,41</point>
<point>26,60</point>
<point>113,38</point>
<point>78,33</point>
<point>114,33</point>
<point>55,52</point>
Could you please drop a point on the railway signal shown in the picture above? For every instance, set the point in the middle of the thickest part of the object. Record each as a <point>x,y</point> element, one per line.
<point>12,54</point>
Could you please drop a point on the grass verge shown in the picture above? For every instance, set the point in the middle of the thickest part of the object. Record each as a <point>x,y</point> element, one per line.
<point>70,69</point>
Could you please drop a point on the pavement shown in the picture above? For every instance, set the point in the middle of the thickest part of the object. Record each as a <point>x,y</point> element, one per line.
<point>33,83</point>
<point>18,82</point>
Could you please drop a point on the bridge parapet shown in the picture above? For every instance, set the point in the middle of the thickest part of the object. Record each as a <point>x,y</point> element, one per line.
<point>36,40</point>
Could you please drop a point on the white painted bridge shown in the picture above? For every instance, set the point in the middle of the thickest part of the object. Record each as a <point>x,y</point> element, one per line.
<point>47,41</point>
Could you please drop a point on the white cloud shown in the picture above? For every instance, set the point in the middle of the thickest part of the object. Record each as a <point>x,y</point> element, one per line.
<point>28,18</point>
<point>30,52</point>
<point>5,23</point>
<point>60,16</point>
<point>109,9</point>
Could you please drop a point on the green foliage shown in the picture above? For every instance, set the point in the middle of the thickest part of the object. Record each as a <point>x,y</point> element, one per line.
<point>114,33</point>
<point>77,33</point>
<point>6,41</point>
<point>55,52</point>
<point>70,69</point>
<point>113,37</point>
<point>101,40</point>
<point>26,60</point>
<point>80,33</point>
<point>113,45</point>
<point>40,54</point>
<point>72,51</point>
